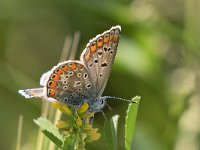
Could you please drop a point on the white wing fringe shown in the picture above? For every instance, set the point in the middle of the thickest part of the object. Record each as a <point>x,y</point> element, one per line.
<point>30,93</point>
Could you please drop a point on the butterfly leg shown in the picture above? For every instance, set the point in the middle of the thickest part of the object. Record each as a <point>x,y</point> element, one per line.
<point>109,107</point>
<point>104,115</point>
<point>78,106</point>
<point>92,119</point>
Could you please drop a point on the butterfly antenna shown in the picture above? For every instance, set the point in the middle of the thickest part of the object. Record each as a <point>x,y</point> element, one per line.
<point>119,98</point>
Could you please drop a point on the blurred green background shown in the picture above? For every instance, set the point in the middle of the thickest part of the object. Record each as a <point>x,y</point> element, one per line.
<point>158,59</point>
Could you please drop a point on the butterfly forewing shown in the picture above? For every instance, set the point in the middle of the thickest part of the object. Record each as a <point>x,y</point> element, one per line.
<point>70,83</point>
<point>99,56</point>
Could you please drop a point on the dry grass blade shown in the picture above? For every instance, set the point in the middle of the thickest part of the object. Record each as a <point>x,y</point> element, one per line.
<point>66,49</point>
<point>45,106</point>
<point>19,132</point>
<point>66,54</point>
<point>74,45</point>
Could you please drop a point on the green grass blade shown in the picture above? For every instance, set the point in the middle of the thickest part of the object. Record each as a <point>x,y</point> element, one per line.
<point>50,131</point>
<point>131,116</point>
<point>69,143</point>
<point>110,132</point>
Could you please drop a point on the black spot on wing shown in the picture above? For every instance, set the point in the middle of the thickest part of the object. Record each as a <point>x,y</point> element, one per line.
<point>104,65</point>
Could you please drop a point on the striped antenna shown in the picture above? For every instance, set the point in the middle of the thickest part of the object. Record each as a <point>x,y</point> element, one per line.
<point>126,100</point>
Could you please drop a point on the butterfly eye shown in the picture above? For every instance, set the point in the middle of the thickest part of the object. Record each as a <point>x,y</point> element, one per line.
<point>95,61</point>
<point>102,102</point>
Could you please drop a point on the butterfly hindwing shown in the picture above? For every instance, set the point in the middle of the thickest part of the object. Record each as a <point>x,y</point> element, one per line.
<point>70,82</point>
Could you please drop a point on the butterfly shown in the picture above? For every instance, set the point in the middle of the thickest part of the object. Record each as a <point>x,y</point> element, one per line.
<point>73,82</point>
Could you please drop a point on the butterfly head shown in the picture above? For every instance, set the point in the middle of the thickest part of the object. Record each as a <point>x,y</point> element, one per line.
<point>97,105</point>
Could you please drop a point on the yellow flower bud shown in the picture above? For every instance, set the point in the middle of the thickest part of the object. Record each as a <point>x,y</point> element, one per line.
<point>79,121</point>
<point>58,106</point>
<point>63,124</point>
<point>84,136</point>
<point>83,108</point>
<point>67,110</point>
<point>92,137</point>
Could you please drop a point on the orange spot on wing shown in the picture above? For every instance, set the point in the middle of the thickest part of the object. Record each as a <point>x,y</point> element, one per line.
<point>93,47</point>
<point>106,38</point>
<point>73,66</point>
<point>55,77</point>
<point>80,66</point>
<point>52,84</point>
<point>111,35</point>
<point>51,93</point>
<point>65,67</point>
<point>87,55</point>
<point>100,42</point>
<point>58,71</point>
